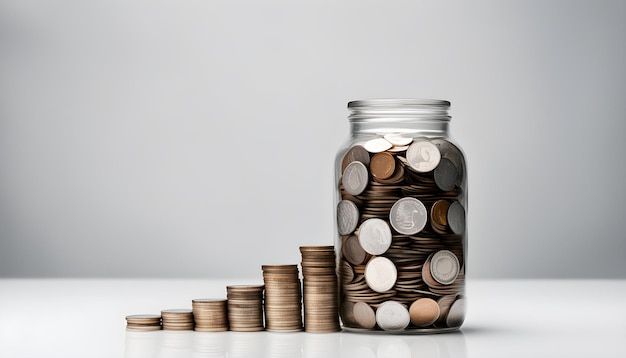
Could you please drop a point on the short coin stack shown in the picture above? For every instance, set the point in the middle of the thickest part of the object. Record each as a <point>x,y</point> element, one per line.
<point>177,319</point>
<point>143,322</point>
<point>210,315</point>
<point>245,308</point>
<point>283,298</point>
<point>320,289</point>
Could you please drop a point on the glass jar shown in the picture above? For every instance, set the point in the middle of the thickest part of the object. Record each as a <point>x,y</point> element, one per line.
<point>401,206</point>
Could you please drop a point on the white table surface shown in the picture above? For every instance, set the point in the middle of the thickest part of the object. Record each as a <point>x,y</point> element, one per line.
<point>506,318</point>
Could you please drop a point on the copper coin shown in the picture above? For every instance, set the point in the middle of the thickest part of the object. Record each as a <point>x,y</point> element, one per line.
<point>364,315</point>
<point>382,165</point>
<point>424,312</point>
<point>353,251</point>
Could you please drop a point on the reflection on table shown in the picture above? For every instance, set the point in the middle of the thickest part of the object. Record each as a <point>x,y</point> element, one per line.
<point>173,344</point>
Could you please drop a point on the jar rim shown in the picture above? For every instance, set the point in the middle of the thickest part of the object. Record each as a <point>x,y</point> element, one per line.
<point>392,102</point>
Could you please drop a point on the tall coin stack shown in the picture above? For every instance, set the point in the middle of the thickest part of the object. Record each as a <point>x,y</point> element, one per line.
<point>320,289</point>
<point>245,308</point>
<point>283,298</point>
<point>177,319</point>
<point>210,314</point>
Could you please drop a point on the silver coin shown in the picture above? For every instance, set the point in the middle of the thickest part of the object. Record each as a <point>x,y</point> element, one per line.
<point>347,217</point>
<point>392,316</point>
<point>456,314</point>
<point>375,236</point>
<point>398,139</point>
<point>380,274</point>
<point>444,267</point>
<point>355,178</point>
<point>445,175</point>
<point>408,216</point>
<point>423,155</point>
<point>456,218</point>
<point>357,154</point>
<point>454,154</point>
<point>377,145</point>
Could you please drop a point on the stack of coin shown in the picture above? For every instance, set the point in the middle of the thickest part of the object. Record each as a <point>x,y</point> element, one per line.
<point>177,319</point>
<point>143,322</point>
<point>245,308</point>
<point>283,298</point>
<point>210,314</point>
<point>321,303</point>
<point>401,223</point>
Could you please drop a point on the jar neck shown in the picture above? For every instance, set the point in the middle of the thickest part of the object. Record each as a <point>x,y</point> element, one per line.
<point>380,116</point>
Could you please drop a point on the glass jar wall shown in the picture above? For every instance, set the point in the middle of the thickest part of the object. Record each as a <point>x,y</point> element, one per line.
<point>401,206</point>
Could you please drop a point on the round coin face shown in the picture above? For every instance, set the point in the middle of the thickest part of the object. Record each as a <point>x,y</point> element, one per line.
<point>424,312</point>
<point>445,175</point>
<point>347,217</point>
<point>408,216</point>
<point>377,145</point>
<point>456,218</point>
<point>380,274</point>
<point>382,165</point>
<point>375,236</point>
<point>423,156</point>
<point>355,154</point>
<point>392,316</point>
<point>355,178</point>
<point>444,267</point>
<point>364,315</point>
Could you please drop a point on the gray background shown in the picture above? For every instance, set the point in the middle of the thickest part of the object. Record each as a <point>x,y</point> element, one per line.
<point>197,138</point>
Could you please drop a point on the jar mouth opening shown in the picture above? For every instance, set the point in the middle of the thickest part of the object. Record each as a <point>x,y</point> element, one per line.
<point>403,109</point>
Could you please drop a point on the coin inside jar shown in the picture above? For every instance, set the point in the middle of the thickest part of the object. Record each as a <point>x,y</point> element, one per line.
<point>456,218</point>
<point>377,145</point>
<point>423,156</point>
<point>445,175</point>
<point>375,236</point>
<point>408,216</point>
<point>456,314</point>
<point>392,316</point>
<point>444,267</point>
<point>347,217</point>
<point>355,154</point>
<point>364,315</point>
<point>355,178</point>
<point>380,274</point>
<point>382,165</point>
<point>424,312</point>
<point>353,252</point>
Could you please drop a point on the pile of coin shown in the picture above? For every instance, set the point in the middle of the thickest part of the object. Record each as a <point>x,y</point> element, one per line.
<point>320,289</point>
<point>143,322</point>
<point>210,314</point>
<point>177,319</point>
<point>283,298</point>
<point>245,308</point>
<point>401,221</point>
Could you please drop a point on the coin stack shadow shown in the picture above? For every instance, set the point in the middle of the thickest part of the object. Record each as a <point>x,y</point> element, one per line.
<point>245,308</point>
<point>177,319</point>
<point>143,322</point>
<point>283,298</point>
<point>210,314</point>
<point>320,289</point>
